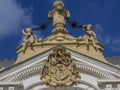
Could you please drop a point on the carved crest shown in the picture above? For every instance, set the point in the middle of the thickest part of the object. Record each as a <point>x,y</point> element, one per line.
<point>59,69</point>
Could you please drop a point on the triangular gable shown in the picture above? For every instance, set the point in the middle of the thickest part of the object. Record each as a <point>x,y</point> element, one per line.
<point>80,59</point>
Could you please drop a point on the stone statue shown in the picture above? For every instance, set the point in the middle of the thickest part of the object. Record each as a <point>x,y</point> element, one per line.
<point>89,36</point>
<point>59,13</point>
<point>29,39</point>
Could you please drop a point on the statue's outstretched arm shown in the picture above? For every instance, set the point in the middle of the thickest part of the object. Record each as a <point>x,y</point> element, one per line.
<point>67,14</point>
<point>50,14</point>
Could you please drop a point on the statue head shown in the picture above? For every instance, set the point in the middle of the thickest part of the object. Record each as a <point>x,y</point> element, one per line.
<point>27,31</point>
<point>59,5</point>
<point>87,27</point>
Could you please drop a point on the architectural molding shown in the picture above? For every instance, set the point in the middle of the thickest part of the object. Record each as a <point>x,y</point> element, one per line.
<point>83,68</point>
<point>81,84</point>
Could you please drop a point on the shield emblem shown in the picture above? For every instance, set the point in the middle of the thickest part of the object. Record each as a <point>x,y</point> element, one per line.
<point>59,69</point>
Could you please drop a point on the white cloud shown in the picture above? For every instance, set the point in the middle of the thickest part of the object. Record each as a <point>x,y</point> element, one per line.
<point>12,17</point>
<point>112,42</point>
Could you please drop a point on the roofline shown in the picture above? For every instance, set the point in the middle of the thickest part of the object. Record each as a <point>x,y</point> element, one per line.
<point>94,59</point>
<point>51,49</point>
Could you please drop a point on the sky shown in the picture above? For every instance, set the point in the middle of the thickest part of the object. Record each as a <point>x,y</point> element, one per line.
<point>15,15</point>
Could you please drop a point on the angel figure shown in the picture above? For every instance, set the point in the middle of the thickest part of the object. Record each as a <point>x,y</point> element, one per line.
<point>89,36</point>
<point>29,39</point>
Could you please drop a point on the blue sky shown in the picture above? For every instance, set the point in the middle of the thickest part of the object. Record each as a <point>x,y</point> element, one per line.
<point>104,15</point>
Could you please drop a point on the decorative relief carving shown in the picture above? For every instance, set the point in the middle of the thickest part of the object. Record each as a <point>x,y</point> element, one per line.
<point>60,37</point>
<point>59,69</point>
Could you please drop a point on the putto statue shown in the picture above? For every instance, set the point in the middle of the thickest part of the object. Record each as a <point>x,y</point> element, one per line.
<point>59,69</point>
<point>89,36</point>
<point>59,14</point>
<point>29,39</point>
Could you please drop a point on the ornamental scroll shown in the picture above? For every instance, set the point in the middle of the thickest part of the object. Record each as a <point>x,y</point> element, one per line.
<point>59,69</point>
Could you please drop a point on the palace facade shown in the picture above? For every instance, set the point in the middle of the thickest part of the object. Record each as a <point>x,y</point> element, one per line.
<point>60,61</point>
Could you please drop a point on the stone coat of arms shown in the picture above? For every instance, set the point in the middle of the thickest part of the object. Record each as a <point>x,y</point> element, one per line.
<point>59,69</point>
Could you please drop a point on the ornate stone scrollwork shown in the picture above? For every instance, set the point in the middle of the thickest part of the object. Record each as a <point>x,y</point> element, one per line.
<point>59,69</point>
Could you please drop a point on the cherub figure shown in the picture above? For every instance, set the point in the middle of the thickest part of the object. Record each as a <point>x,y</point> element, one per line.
<point>89,36</point>
<point>29,39</point>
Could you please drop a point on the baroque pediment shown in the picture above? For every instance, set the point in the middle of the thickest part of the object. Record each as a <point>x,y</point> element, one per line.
<point>34,66</point>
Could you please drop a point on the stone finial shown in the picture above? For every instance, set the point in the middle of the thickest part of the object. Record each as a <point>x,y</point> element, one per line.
<point>59,14</point>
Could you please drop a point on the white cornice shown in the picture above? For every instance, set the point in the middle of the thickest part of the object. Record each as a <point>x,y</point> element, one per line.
<point>90,65</point>
<point>94,72</point>
<point>11,83</point>
<point>109,81</point>
<point>83,85</point>
<point>35,70</point>
<point>95,63</point>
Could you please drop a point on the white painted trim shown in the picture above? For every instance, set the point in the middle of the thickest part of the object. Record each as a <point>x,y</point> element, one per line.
<point>95,63</point>
<point>1,88</point>
<point>83,68</point>
<point>109,81</point>
<point>11,83</point>
<point>78,83</point>
<point>40,58</point>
